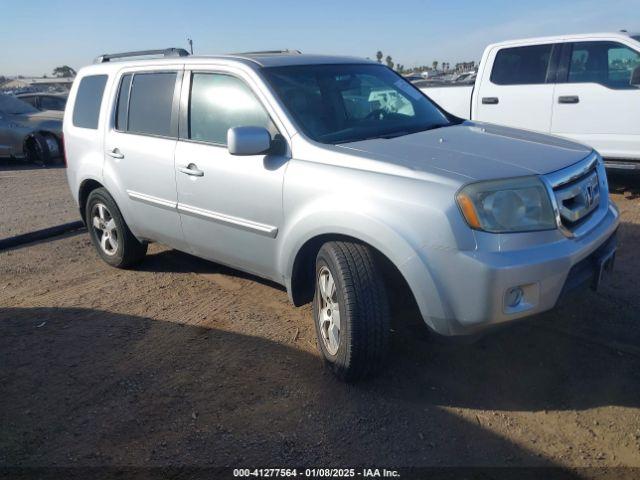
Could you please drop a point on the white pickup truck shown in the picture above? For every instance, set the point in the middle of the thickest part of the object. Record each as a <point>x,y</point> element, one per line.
<point>584,87</point>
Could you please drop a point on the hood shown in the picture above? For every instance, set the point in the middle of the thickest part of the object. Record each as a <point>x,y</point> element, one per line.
<point>50,120</point>
<point>474,151</point>
<point>45,115</point>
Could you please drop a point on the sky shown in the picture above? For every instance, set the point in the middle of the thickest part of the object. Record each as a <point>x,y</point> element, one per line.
<point>36,36</point>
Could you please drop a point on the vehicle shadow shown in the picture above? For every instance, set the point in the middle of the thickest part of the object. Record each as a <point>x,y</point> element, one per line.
<point>89,387</point>
<point>11,164</point>
<point>180,262</point>
<point>628,185</point>
<point>585,353</point>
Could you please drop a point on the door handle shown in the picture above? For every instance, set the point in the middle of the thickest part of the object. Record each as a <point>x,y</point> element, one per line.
<point>569,99</point>
<point>191,169</point>
<point>115,153</point>
<point>490,100</point>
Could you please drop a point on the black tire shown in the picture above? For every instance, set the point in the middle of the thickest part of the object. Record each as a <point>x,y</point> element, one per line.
<point>129,250</point>
<point>54,148</point>
<point>363,306</point>
<point>36,150</point>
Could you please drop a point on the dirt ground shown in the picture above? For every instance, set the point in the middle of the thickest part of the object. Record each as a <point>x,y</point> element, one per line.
<point>32,198</point>
<point>185,362</point>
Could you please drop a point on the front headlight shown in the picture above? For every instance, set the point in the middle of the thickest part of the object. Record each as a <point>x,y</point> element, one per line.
<point>512,205</point>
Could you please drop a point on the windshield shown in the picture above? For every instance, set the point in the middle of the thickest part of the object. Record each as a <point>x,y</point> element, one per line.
<point>347,103</point>
<point>12,105</point>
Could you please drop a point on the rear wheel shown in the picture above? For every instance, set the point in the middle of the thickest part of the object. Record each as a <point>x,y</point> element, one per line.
<point>43,149</point>
<point>109,232</point>
<point>36,150</point>
<point>351,310</point>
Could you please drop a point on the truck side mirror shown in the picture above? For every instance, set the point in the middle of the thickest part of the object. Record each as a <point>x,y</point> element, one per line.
<point>248,140</point>
<point>635,77</point>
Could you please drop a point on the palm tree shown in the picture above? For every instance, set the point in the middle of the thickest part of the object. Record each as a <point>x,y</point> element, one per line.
<point>389,61</point>
<point>379,56</point>
<point>435,65</point>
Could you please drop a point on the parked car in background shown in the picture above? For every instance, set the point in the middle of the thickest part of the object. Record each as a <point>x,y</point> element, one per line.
<point>45,101</point>
<point>464,78</point>
<point>432,74</point>
<point>340,180</point>
<point>27,133</point>
<point>583,87</point>
<point>413,77</point>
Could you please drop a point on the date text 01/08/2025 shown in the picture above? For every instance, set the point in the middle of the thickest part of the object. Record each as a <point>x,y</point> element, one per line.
<point>315,473</point>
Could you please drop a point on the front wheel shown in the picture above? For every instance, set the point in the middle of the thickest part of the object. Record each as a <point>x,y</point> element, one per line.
<point>351,310</point>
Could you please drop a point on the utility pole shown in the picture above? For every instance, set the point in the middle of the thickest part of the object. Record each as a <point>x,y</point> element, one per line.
<point>190,42</point>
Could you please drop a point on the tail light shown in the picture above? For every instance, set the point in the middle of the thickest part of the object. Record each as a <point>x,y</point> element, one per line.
<point>64,150</point>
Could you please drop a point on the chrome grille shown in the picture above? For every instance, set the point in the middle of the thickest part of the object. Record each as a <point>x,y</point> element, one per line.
<point>579,198</point>
<point>577,192</point>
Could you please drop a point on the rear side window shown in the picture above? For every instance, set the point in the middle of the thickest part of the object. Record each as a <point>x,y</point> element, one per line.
<point>52,103</point>
<point>220,102</point>
<point>608,63</point>
<point>86,110</point>
<point>150,103</point>
<point>521,65</point>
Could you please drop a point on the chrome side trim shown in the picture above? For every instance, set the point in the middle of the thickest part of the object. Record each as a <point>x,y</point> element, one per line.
<point>151,200</point>
<point>260,228</point>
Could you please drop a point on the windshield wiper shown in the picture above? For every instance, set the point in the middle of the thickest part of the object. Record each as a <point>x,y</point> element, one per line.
<point>395,134</point>
<point>402,133</point>
<point>390,135</point>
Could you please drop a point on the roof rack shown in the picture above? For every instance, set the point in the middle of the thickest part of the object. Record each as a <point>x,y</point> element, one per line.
<point>166,52</point>
<point>271,52</point>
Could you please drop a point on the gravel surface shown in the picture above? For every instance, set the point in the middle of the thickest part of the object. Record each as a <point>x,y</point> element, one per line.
<point>184,362</point>
<point>33,198</point>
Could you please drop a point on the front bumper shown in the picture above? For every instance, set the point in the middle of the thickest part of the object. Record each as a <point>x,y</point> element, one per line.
<point>631,167</point>
<point>474,286</point>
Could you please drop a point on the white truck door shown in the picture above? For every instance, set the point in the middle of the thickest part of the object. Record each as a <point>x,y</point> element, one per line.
<point>517,87</point>
<point>595,102</point>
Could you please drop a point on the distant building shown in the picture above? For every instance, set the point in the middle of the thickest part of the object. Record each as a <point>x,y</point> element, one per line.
<point>38,84</point>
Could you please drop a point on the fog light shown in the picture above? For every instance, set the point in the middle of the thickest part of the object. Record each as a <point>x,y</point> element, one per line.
<point>513,297</point>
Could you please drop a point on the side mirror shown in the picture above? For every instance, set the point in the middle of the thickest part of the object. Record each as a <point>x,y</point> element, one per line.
<point>635,77</point>
<point>248,140</point>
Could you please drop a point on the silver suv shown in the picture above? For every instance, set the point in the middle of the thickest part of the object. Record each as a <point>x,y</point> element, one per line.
<point>339,179</point>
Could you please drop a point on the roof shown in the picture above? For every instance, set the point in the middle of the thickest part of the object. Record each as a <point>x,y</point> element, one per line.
<point>252,60</point>
<point>564,38</point>
<point>285,59</point>
<point>52,80</point>
<point>42,94</point>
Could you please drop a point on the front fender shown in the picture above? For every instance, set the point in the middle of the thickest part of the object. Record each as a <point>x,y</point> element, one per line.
<point>354,222</point>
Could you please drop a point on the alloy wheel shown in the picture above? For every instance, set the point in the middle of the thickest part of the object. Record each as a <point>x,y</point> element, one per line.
<point>105,228</point>
<point>329,311</point>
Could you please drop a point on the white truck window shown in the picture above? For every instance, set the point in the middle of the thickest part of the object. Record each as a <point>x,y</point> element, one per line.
<point>607,63</point>
<point>521,65</point>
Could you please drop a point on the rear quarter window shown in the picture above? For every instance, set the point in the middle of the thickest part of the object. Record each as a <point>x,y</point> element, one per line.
<point>86,110</point>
